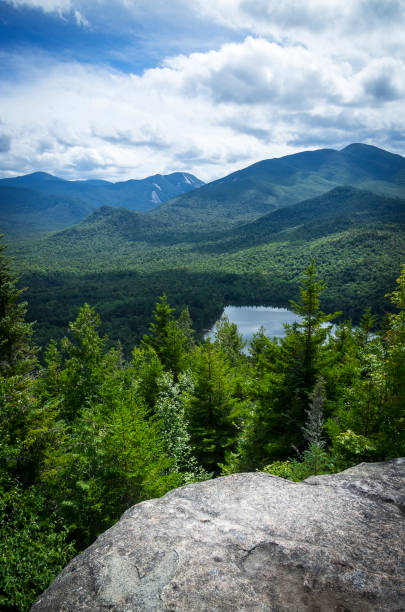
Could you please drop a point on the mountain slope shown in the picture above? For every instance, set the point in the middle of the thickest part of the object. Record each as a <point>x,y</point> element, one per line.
<point>108,226</point>
<point>252,192</point>
<point>120,261</point>
<point>340,206</point>
<point>143,194</point>
<point>24,212</point>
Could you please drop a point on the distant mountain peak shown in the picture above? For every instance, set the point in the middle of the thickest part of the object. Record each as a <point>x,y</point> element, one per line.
<point>358,145</point>
<point>362,148</point>
<point>38,176</point>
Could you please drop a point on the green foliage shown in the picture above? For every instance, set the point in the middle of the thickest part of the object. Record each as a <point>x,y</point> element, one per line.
<point>315,461</point>
<point>213,407</point>
<point>229,340</point>
<point>288,373</point>
<point>33,547</point>
<point>393,424</point>
<point>76,370</point>
<point>171,409</point>
<point>185,324</point>
<point>110,453</point>
<point>147,369</point>
<point>313,428</point>
<point>91,434</point>
<point>111,458</point>
<point>121,265</point>
<point>167,338</point>
<point>17,355</point>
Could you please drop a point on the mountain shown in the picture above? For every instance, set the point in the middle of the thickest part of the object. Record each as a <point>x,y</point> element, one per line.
<point>113,225</point>
<point>120,261</point>
<point>268,185</point>
<point>25,212</point>
<point>40,202</point>
<point>244,239</point>
<point>143,194</point>
<point>341,207</point>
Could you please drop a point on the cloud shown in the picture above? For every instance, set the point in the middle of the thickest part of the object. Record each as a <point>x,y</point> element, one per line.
<point>5,143</point>
<point>284,87</point>
<point>48,6</point>
<point>333,27</point>
<point>352,31</point>
<point>64,9</point>
<point>257,72</point>
<point>384,79</point>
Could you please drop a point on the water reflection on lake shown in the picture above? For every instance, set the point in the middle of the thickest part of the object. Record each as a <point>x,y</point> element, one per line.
<point>250,318</point>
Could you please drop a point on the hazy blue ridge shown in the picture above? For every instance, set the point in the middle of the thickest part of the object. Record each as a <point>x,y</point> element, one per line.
<point>40,202</point>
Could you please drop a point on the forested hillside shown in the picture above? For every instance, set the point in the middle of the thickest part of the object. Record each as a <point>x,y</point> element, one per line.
<point>120,261</point>
<point>275,183</point>
<point>39,202</point>
<point>90,432</point>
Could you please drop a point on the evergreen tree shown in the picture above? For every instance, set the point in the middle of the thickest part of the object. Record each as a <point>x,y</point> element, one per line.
<point>111,452</point>
<point>167,338</point>
<point>17,353</point>
<point>185,324</point>
<point>33,545</point>
<point>284,378</point>
<point>258,345</point>
<point>229,340</point>
<point>147,369</point>
<point>77,369</point>
<point>23,424</point>
<point>213,408</point>
<point>393,426</point>
<point>312,329</point>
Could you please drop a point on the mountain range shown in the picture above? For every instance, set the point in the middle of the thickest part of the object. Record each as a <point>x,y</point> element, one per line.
<point>276,183</point>
<point>243,239</point>
<point>41,202</point>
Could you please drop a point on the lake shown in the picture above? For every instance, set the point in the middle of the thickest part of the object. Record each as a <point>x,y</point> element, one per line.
<point>250,318</point>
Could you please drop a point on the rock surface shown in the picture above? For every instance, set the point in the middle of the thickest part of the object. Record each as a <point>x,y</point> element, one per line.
<point>250,542</point>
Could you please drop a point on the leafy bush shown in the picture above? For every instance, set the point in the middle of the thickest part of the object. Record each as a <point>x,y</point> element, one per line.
<point>33,548</point>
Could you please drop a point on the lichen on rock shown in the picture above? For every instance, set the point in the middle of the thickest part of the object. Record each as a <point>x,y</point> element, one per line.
<point>250,542</point>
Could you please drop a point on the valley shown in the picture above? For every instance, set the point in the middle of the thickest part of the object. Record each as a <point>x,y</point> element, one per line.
<point>202,290</point>
<point>219,244</point>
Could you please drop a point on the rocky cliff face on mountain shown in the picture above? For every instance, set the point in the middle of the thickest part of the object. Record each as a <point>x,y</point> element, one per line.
<point>250,542</point>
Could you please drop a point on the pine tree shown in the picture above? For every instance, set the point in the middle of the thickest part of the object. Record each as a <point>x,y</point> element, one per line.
<point>312,329</point>
<point>284,380</point>
<point>185,324</point>
<point>33,546</point>
<point>213,407</point>
<point>77,369</point>
<point>167,338</point>
<point>17,353</point>
<point>229,340</point>
<point>393,425</point>
<point>21,421</point>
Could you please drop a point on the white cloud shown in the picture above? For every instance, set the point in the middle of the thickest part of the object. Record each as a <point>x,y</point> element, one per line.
<point>62,8</point>
<point>48,6</point>
<point>260,72</point>
<point>309,74</point>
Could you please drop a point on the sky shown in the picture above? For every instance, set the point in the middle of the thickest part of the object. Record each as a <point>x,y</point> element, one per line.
<point>120,89</point>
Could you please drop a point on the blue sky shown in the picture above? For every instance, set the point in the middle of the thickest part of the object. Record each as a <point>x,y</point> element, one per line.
<point>123,89</point>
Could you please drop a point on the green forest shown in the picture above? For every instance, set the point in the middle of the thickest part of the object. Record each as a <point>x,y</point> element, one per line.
<point>91,429</point>
<point>120,262</point>
<point>244,239</point>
